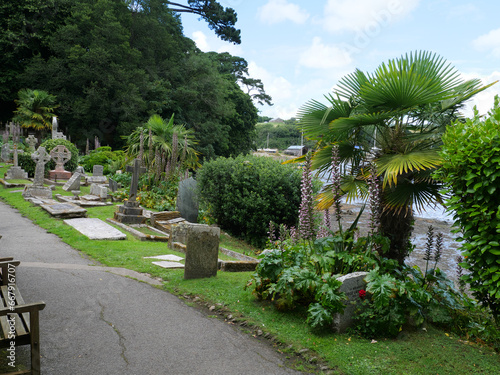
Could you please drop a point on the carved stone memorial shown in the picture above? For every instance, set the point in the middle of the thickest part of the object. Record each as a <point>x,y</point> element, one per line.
<point>202,251</point>
<point>130,212</point>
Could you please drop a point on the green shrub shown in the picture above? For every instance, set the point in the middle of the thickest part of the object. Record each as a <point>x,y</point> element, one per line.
<point>110,160</point>
<point>25,162</point>
<point>471,170</point>
<point>245,193</point>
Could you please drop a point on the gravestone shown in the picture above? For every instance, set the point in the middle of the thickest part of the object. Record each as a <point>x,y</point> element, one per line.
<point>352,283</point>
<point>6,151</point>
<point>187,200</point>
<point>64,210</point>
<point>61,155</point>
<point>202,250</point>
<point>99,191</point>
<point>130,212</point>
<point>113,185</point>
<point>97,175</point>
<point>31,141</point>
<point>96,229</point>
<point>73,183</point>
<point>55,133</point>
<point>41,157</point>
<point>16,172</point>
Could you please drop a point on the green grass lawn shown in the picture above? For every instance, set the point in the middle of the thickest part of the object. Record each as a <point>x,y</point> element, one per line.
<point>430,351</point>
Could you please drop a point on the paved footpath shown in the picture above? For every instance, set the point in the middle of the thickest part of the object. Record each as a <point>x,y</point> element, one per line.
<point>98,322</point>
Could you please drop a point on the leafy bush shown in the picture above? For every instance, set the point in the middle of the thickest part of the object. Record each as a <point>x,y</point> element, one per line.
<point>245,193</point>
<point>110,160</point>
<point>471,170</point>
<point>305,273</point>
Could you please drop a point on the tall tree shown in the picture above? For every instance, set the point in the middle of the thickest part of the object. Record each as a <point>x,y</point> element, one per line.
<point>393,118</point>
<point>35,109</point>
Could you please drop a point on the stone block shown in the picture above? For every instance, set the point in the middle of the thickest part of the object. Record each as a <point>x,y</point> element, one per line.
<point>202,250</point>
<point>352,283</point>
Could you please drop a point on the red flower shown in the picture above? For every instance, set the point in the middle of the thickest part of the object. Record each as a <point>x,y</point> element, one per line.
<point>362,294</point>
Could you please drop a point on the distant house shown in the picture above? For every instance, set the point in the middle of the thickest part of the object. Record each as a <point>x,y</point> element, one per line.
<point>277,120</point>
<point>296,150</point>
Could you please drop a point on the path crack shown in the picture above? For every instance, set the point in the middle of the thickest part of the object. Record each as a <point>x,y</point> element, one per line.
<point>121,339</point>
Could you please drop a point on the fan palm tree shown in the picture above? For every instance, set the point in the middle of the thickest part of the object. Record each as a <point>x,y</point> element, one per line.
<point>167,138</point>
<point>35,109</point>
<point>392,118</point>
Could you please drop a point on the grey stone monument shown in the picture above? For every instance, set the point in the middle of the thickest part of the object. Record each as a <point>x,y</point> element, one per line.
<point>6,151</point>
<point>113,185</point>
<point>97,175</point>
<point>31,141</point>
<point>202,251</point>
<point>187,200</point>
<point>61,155</point>
<point>352,283</point>
<point>73,183</point>
<point>130,212</point>
<point>41,157</point>
<point>16,172</point>
<point>55,133</point>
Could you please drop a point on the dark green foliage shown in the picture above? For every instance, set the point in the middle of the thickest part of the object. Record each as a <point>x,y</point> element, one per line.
<point>245,193</point>
<point>71,164</point>
<point>305,274</point>
<point>281,135</point>
<point>25,162</point>
<point>103,156</point>
<point>471,170</point>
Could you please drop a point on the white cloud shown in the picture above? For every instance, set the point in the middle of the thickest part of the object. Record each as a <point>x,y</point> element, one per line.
<point>484,100</point>
<point>276,11</point>
<point>212,43</point>
<point>366,15</point>
<point>489,42</point>
<point>201,41</point>
<point>322,56</point>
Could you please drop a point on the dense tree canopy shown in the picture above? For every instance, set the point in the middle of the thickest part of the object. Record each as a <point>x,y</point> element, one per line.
<point>114,63</point>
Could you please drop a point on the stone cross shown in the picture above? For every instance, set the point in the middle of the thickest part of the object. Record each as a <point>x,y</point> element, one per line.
<point>31,142</point>
<point>14,151</point>
<point>54,127</point>
<point>41,157</point>
<point>60,154</point>
<point>136,170</point>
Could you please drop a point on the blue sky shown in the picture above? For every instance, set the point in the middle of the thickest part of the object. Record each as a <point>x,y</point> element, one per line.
<point>300,49</point>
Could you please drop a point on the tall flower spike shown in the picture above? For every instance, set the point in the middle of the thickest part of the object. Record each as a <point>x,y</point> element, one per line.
<point>306,218</point>
<point>336,182</point>
<point>374,193</point>
<point>325,229</point>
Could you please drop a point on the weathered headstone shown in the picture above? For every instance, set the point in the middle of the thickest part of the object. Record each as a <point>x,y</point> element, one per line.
<point>6,151</point>
<point>113,185</point>
<point>352,283</point>
<point>130,212</point>
<point>202,250</point>
<point>99,191</point>
<point>41,157</point>
<point>97,175</point>
<point>16,172</point>
<point>187,200</point>
<point>61,155</point>
<point>64,210</point>
<point>31,141</point>
<point>73,183</point>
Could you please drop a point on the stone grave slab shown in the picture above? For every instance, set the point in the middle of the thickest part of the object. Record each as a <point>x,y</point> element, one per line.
<point>64,210</point>
<point>352,283</point>
<point>166,264</point>
<point>170,257</point>
<point>96,229</point>
<point>73,183</point>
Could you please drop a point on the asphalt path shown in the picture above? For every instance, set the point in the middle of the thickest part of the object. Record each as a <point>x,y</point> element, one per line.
<point>99,322</point>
